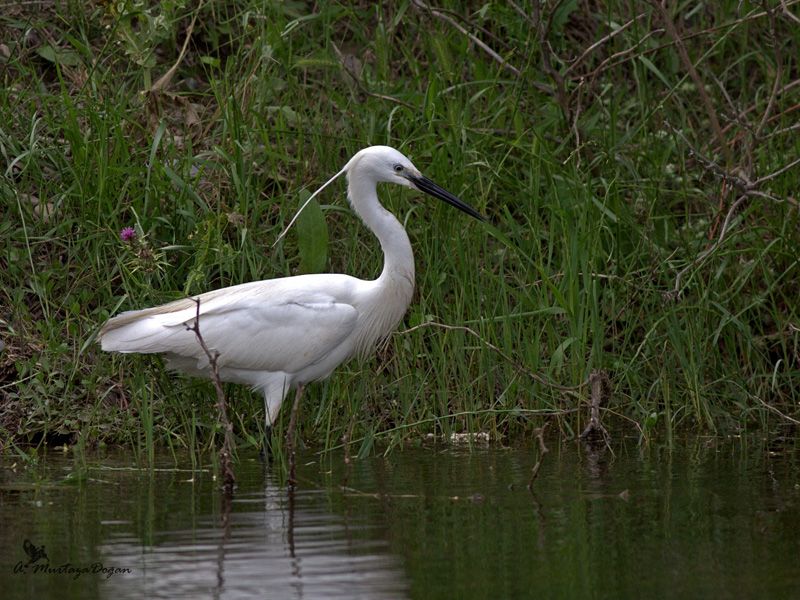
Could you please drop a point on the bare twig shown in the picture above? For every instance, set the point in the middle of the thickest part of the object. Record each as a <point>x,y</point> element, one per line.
<point>789,14</point>
<point>501,39</point>
<point>542,31</point>
<point>479,43</point>
<point>624,417</point>
<point>600,42</point>
<point>774,174</point>
<point>731,104</point>
<point>747,188</point>
<point>599,385</point>
<point>783,130</point>
<point>740,181</point>
<point>543,450</point>
<point>357,79</point>
<point>522,13</point>
<point>776,411</point>
<point>708,31</point>
<point>226,452</point>
<point>623,54</point>
<point>708,251</point>
<point>783,90</point>
<point>701,90</point>
<point>778,72</point>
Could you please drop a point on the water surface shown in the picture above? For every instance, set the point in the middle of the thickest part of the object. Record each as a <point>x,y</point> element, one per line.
<point>712,518</point>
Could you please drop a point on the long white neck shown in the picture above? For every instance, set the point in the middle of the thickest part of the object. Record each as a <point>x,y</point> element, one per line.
<point>391,293</point>
<point>398,265</point>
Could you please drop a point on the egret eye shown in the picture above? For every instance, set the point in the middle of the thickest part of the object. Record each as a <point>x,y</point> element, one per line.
<point>398,168</point>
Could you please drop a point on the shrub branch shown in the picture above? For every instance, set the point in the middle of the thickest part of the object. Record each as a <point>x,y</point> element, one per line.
<point>226,452</point>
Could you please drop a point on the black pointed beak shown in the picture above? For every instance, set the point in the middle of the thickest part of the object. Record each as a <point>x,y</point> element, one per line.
<point>424,184</point>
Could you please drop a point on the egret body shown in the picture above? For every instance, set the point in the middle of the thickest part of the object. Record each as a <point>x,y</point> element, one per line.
<point>279,334</point>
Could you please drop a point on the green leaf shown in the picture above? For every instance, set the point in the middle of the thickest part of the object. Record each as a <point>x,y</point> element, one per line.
<point>651,420</point>
<point>59,56</point>
<point>558,357</point>
<point>563,11</point>
<point>312,236</point>
<point>315,62</point>
<point>211,61</point>
<point>655,71</point>
<point>605,210</point>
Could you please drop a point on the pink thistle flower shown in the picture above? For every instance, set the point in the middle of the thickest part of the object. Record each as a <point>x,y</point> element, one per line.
<point>127,234</point>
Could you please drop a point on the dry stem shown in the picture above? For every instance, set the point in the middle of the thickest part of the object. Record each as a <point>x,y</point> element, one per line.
<point>478,42</point>
<point>543,450</point>
<point>164,81</point>
<point>599,384</point>
<point>226,452</point>
<point>360,84</point>
<point>701,89</point>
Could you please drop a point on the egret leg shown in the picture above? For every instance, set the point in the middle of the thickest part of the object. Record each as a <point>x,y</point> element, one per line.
<point>266,448</point>
<point>290,434</point>
<point>346,444</point>
<point>274,387</point>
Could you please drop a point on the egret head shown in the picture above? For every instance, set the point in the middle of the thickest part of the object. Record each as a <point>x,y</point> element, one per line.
<point>382,164</point>
<point>385,164</point>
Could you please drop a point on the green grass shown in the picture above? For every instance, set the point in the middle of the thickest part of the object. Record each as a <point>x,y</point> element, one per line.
<point>599,198</point>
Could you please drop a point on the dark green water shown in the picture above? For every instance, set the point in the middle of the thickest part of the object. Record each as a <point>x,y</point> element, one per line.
<point>712,519</point>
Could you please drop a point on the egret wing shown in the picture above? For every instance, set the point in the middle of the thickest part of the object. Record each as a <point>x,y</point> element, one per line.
<point>269,326</point>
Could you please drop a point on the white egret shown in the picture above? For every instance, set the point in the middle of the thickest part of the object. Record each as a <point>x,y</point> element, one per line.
<point>279,334</point>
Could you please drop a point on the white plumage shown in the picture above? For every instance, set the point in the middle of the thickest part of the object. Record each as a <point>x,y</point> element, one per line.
<point>278,334</point>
